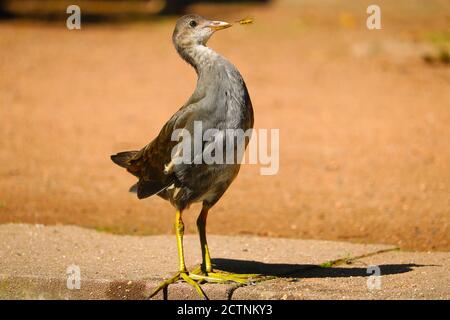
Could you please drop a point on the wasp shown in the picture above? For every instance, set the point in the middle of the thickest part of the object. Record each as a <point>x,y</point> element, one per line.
<point>245,21</point>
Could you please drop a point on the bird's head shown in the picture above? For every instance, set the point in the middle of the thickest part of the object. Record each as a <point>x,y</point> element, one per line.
<point>193,29</point>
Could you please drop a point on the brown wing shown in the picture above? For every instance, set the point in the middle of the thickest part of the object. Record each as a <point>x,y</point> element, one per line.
<point>148,164</point>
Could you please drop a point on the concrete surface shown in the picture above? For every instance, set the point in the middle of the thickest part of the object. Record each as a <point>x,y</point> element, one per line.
<point>34,261</point>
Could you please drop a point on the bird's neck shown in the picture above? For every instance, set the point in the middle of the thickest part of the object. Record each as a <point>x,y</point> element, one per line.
<point>199,56</point>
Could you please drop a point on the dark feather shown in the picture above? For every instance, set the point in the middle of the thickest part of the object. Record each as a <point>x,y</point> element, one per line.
<point>133,188</point>
<point>122,158</point>
<point>148,188</point>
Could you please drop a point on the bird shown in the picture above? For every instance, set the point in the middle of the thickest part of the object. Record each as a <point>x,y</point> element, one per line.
<point>220,102</point>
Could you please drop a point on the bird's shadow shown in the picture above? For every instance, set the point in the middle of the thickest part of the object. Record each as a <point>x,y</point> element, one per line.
<point>284,270</point>
<point>138,290</point>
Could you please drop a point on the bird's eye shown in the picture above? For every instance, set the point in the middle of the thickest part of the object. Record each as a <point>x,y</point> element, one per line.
<point>193,23</point>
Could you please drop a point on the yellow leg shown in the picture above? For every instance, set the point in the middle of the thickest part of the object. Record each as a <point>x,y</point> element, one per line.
<point>205,272</point>
<point>179,231</point>
<point>201,225</point>
<point>182,274</point>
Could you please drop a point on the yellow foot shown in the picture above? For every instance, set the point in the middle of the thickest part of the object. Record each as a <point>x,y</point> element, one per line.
<point>188,277</point>
<point>224,277</point>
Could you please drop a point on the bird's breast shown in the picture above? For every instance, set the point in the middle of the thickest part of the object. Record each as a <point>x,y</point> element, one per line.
<point>226,96</point>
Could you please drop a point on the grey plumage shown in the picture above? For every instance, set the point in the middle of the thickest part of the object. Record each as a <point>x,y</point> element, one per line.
<point>220,101</point>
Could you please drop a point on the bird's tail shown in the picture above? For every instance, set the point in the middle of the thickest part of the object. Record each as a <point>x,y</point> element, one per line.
<point>122,158</point>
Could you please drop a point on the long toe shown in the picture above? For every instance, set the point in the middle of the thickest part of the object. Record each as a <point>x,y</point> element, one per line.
<point>165,284</point>
<point>190,279</point>
<point>187,277</point>
<point>222,277</point>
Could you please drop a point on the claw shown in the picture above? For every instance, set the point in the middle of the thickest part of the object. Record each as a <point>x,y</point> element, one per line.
<point>178,276</point>
<point>165,284</point>
<point>198,276</point>
<point>222,277</point>
<point>199,290</point>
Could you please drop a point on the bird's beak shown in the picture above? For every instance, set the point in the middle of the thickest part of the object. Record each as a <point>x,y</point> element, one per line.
<point>218,25</point>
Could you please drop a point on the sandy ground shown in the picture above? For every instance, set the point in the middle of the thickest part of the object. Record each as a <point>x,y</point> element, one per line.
<point>364,122</point>
<point>130,267</point>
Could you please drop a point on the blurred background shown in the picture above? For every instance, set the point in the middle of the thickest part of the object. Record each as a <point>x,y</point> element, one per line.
<point>364,116</point>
